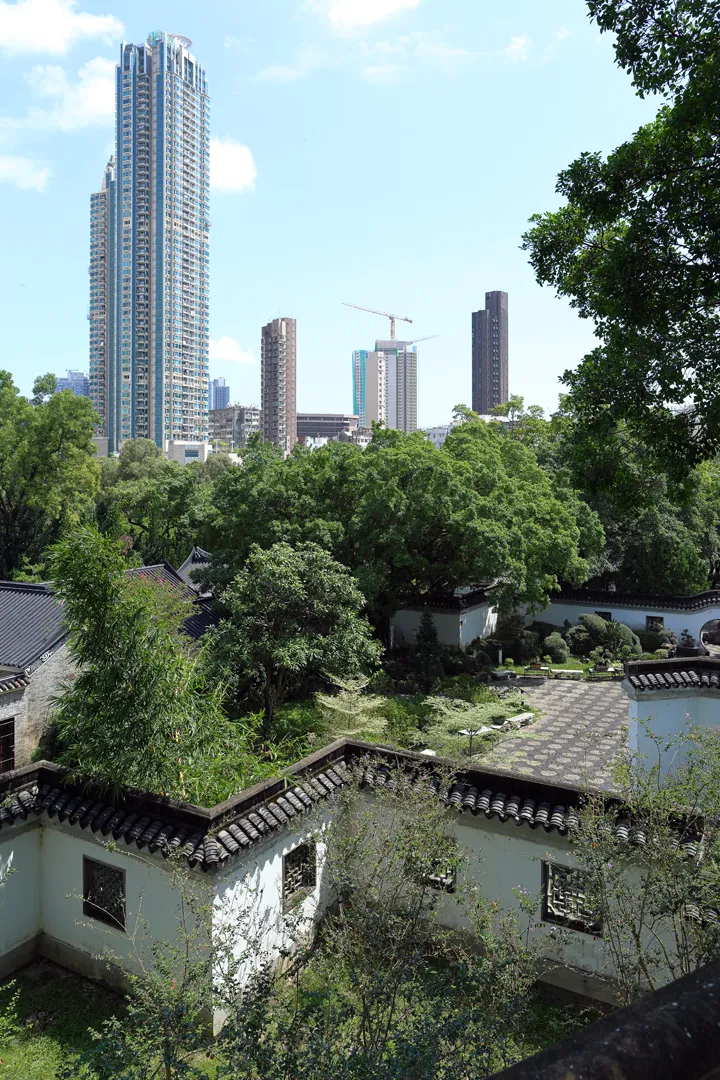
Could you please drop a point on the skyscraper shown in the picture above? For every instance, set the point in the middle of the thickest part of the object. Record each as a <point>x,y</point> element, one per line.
<point>218,394</point>
<point>401,361</point>
<point>149,224</point>
<point>369,387</point>
<point>385,385</point>
<point>77,381</point>
<point>278,360</point>
<point>490,353</point>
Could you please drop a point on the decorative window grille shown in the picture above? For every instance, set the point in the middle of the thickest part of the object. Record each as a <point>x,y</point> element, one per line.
<point>299,872</point>
<point>654,623</point>
<point>104,892</point>
<point>7,745</point>
<point>564,899</point>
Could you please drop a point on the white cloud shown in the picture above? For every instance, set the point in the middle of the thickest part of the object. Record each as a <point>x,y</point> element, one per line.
<point>383,73</point>
<point>232,166</point>
<point>51,26</point>
<point>351,14</point>
<point>23,173</point>
<point>307,61</point>
<point>88,102</point>
<point>519,48</point>
<point>563,33</point>
<point>227,350</point>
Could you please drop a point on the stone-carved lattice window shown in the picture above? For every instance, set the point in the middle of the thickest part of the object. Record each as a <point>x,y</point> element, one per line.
<point>299,873</point>
<point>654,623</point>
<point>565,901</point>
<point>7,745</point>
<point>104,892</point>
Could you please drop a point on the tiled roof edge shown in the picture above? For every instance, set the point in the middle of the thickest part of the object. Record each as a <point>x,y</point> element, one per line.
<point>693,602</point>
<point>677,673</point>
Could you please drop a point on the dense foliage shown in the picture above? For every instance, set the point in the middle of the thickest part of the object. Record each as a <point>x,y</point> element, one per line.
<point>48,476</point>
<point>138,712</point>
<point>636,246</point>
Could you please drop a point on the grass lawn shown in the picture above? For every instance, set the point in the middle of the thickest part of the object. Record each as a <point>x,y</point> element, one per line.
<point>55,1010</point>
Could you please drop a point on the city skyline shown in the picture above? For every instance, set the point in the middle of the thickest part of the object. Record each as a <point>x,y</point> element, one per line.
<point>407,85</point>
<point>149,251</point>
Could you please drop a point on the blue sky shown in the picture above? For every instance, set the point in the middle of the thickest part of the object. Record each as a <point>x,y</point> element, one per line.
<point>383,152</point>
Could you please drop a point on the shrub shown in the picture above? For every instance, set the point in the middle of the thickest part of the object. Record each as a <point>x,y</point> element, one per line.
<point>652,640</point>
<point>526,646</point>
<point>578,641</point>
<point>620,640</point>
<point>596,628</point>
<point>556,648</point>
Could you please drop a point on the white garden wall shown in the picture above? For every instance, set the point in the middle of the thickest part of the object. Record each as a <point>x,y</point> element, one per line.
<point>456,628</point>
<point>558,611</point>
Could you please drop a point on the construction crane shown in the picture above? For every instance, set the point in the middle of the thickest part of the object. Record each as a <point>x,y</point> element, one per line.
<point>387,315</point>
<point>418,339</point>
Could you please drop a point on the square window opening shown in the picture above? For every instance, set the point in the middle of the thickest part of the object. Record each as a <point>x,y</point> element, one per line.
<point>299,874</point>
<point>7,745</point>
<point>564,899</point>
<point>104,892</point>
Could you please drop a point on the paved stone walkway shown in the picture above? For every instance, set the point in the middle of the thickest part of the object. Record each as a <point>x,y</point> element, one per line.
<point>574,740</point>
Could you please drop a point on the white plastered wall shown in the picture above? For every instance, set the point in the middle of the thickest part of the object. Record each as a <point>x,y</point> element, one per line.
<point>20,900</point>
<point>457,628</point>
<point>558,612</point>
<point>668,714</point>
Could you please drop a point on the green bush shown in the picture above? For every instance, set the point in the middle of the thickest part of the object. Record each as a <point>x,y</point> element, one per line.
<point>652,640</point>
<point>556,648</point>
<point>526,645</point>
<point>596,628</point>
<point>578,641</point>
<point>620,641</point>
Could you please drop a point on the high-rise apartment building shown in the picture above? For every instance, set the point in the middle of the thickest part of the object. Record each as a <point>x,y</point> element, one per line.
<point>100,310</point>
<point>369,387</point>
<point>149,230</point>
<point>385,385</point>
<point>218,394</point>
<point>233,425</point>
<point>278,362</point>
<point>77,381</point>
<point>401,366</point>
<point>490,353</point>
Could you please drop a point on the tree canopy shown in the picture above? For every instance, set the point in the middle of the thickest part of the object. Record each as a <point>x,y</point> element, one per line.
<point>138,712</point>
<point>294,611</point>
<point>48,473</point>
<point>636,247</point>
<point>408,519</point>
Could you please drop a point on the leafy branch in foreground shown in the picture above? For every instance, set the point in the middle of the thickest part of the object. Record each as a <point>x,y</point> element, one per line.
<point>138,712</point>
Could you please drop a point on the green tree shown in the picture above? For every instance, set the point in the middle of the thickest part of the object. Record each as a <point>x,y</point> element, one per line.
<point>408,519</point>
<point>138,712</point>
<point>48,472</point>
<point>158,503</point>
<point>635,247</point>
<point>653,883</point>
<point>294,611</point>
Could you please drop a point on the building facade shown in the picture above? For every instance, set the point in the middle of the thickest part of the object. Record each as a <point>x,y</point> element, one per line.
<point>76,381</point>
<point>149,271</point>
<point>369,387</point>
<point>234,425</point>
<point>218,394</point>
<point>324,425</point>
<point>490,385</point>
<point>401,367</point>
<point>278,359</point>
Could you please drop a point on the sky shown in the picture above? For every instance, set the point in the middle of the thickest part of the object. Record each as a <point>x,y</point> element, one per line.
<point>388,153</point>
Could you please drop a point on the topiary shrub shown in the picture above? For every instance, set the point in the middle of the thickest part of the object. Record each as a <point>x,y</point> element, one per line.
<point>596,628</point>
<point>620,641</point>
<point>526,646</point>
<point>578,641</point>
<point>556,648</point>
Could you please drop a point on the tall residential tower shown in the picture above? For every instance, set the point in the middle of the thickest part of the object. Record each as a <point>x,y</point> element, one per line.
<point>152,381</point>
<point>490,353</point>
<point>278,359</point>
<point>385,385</point>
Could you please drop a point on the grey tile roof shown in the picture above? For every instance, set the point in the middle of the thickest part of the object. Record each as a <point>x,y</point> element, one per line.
<point>681,673</point>
<point>10,683</point>
<point>198,559</point>
<point>607,598</point>
<point>30,623</point>
<point>207,838</point>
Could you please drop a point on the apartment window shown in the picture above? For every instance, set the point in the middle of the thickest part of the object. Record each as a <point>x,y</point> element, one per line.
<point>564,899</point>
<point>299,873</point>
<point>104,892</point>
<point>7,745</point>
<point>654,623</point>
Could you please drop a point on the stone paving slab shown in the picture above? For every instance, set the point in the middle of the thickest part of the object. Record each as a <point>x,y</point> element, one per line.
<point>574,741</point>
